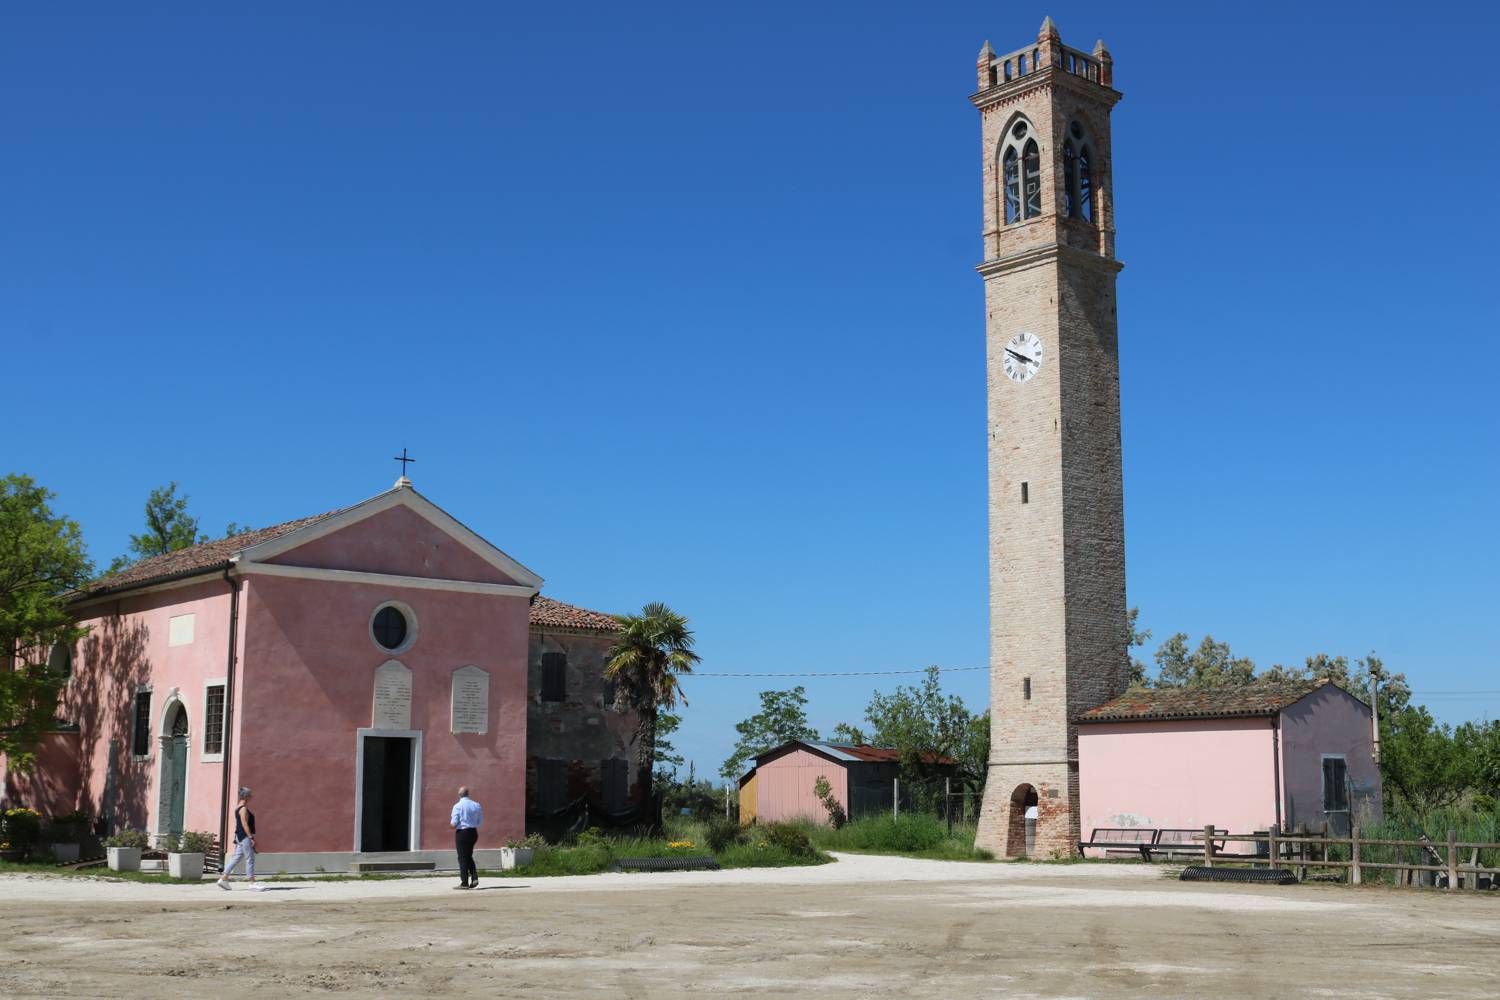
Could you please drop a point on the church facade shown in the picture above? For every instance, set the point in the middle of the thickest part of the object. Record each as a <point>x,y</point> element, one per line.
<point>353,669</point>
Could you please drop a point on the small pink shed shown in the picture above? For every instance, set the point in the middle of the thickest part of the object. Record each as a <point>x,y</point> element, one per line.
<point>1240,758</point>
<point>861,777</point>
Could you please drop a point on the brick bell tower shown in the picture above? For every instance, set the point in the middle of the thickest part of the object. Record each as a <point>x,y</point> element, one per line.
<point>1058,635</point>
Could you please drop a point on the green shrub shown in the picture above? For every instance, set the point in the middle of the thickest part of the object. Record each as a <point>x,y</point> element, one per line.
<point>722,835</point>
<point>128,838</point>
<point>189,842</point>
<point>791,838</point>
<point>20,828</point>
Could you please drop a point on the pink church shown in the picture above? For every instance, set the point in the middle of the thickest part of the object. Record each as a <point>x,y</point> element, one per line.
<point>353,669</point>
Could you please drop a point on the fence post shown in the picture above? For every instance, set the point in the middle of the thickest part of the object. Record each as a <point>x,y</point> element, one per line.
<point>895,798</point>
<point>1271,845</point>
<point>1452,860</point>
<point>1208,845</point>
<point>948,803</point>
<point>1354,876</point>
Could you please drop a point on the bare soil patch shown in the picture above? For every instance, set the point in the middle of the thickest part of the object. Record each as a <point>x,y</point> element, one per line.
<point>864,927</point>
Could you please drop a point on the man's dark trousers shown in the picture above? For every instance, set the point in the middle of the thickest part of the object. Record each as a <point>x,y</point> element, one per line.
<point>464,840</point>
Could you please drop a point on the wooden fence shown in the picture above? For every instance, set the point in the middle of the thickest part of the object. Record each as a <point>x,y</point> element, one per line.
<point>1303,850</point>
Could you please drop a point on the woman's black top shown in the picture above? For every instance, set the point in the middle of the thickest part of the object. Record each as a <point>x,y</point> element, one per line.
<point>242,816</point>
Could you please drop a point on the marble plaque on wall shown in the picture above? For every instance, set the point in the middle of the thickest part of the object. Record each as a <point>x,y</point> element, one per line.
<point>392,696</point>
<point>471,700</point>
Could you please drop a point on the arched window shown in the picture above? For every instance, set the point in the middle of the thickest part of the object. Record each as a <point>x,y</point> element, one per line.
<point>1021,173</point>
<point>1070,179</point>
<point>1078,198</point>
<point>1012,186</point>
<point>1085,187</point>
<point>1031,163</point>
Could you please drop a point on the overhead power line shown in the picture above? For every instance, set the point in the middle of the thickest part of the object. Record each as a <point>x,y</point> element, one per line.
<point>845,673</point>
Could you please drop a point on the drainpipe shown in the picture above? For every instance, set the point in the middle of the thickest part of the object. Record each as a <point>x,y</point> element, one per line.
<point>234,627</point>
<point>1276,764</point>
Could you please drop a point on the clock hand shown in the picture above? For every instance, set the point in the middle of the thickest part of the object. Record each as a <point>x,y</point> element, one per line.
<point>1019,357</point>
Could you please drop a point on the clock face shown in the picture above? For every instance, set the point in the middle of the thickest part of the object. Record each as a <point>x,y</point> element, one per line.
<point>1023,357</point>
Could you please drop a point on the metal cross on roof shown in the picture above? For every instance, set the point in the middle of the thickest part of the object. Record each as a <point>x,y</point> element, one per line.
<point>403,460</point>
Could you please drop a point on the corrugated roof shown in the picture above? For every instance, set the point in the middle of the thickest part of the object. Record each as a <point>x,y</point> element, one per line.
<point>855,753</point>
<point>1263,699</point>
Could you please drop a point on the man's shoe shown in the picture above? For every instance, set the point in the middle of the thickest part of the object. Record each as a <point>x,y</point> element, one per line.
<point>223,884</point>
<point>462,885</point>
<point>474,884</point>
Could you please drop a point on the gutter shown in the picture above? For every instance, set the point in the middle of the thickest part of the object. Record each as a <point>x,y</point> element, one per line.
<point>87,596</point>
<point>234,628</point>
<point>1276,764</point>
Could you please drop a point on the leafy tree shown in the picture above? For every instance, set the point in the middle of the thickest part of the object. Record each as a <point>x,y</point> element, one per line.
<point>169,527</point>
<point>667,759</point>
<point>655,647</point>
<point>782,717</point>
<point>1138,637</point>
<point>1212,664</point>
<point>921,723</point>
<point>42,557</point>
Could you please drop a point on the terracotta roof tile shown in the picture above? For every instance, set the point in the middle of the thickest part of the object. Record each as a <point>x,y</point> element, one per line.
<point>547,612</point>
<point>1201,703</point>
<point>204,558</point>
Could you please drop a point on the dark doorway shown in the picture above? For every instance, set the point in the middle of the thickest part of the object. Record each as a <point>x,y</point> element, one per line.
<point>385,820</point>
<point>1020,838</point>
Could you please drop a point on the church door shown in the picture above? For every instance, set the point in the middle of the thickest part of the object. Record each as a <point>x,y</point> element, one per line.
<point>386,794</point>
<point>176,771</point>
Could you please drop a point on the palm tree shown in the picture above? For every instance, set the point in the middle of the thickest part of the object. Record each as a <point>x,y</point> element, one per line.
<point>654,648</point>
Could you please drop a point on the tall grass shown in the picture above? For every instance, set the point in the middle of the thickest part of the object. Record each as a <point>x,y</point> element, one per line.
<point>914,835</point>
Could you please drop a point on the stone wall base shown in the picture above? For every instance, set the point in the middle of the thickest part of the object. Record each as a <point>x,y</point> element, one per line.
<point>1009,789</point>
<point>339,862</point>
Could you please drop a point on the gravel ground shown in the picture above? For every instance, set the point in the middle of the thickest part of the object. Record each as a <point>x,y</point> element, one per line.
<point>866,926</point>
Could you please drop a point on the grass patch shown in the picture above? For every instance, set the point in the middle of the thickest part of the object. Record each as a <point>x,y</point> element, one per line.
<point>912,836</point>
<point>100,873</point>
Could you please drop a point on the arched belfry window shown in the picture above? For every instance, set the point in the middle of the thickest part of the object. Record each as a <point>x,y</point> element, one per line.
<point>1078,196</point>
<point>1031,162</point>
<point>1021,174</point>
<point>1012,163</point>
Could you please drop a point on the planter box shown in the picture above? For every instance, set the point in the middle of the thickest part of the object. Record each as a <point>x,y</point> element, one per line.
<point>511,857</point>
<point>65,853</point>
<point>124,859</point>
<point>185,865</point>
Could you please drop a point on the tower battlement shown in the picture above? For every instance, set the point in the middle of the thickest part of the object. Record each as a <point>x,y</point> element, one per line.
<point>1046,55</point>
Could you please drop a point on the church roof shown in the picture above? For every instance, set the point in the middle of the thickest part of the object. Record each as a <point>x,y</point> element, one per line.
<point>546,612</point>
<point>209,557</point>
<point>1248,700</point>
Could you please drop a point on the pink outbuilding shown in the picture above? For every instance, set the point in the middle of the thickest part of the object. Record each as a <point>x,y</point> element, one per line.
<point>1239,758</point>
<point>353,669</point>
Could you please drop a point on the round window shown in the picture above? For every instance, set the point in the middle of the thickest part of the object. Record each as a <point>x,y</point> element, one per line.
<point>390,627</point>
<point>1019,131</point>
<point>1077,130</point>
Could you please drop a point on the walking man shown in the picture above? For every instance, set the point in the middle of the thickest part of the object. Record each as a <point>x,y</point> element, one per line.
<point>467,817</point>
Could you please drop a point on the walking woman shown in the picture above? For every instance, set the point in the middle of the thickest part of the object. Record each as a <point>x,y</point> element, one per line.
<point>244,844</point>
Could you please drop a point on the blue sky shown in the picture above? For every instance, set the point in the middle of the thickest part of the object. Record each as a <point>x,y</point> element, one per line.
<point>678,303</point>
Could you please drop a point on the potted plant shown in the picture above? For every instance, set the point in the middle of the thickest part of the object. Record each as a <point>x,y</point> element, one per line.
<point>20,829</point>
<point>520,852</point>
<point>185,853</point>
<point>125,849</point>
<point>64,833</point>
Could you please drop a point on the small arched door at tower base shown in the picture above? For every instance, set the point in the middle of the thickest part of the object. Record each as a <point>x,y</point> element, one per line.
<point>1020,835</point>
<point>175,771</point>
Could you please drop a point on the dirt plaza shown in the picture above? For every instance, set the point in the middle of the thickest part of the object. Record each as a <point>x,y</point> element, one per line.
<point>863,927</point>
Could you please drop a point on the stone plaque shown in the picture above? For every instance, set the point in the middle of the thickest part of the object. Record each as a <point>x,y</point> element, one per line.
<point>392,696</point>
<point>471,700</point>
